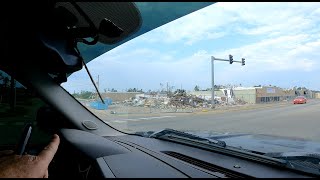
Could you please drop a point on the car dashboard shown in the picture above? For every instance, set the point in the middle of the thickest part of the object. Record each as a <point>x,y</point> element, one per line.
<point>132,156</point>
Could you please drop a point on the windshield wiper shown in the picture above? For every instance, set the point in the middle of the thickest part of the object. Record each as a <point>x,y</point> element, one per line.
<point>215,145</point>
<point>304,161</point>
<point>174,134</point>
<point>221,147</point>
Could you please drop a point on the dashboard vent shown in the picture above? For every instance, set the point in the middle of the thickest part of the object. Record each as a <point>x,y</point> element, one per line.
<point>205,165</point>
<point>307,164</point>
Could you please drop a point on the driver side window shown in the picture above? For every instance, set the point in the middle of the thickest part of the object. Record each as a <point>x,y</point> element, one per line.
<point>18,105</point>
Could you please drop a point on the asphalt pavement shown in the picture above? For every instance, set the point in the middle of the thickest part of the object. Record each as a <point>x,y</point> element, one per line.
<point>300,121</point>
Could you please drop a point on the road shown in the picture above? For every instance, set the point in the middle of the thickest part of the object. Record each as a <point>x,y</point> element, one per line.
<point>299,121</point>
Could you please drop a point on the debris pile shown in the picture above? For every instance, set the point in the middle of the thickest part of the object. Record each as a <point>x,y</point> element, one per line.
<point>178,100</point>
<point>181,99</point>
<point>240,102</point>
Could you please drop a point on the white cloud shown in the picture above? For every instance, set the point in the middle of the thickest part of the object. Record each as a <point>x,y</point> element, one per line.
<point>148,67</point>
<point>278,54</point>
<point>288,43</point>
<point>139,68</point>
<point>285,61</point>
<point>194,27</point>
<point>271,19</point>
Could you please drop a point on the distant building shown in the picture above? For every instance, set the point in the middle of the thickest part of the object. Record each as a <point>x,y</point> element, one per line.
<point>259,94</point>
<point>271,94</point>
<point>247,94</point>
<point>119,96</point>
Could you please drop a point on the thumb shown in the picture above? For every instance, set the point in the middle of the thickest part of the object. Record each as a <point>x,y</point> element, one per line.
<point>47,154</point>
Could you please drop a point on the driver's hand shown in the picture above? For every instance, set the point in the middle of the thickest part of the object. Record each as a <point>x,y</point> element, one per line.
<point>28,166</point>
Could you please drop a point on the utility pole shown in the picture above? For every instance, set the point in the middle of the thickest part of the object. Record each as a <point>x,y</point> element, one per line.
<point>212,90</point>
<point>230,60</point>
<point>98,82</point>
<point>98,87</point>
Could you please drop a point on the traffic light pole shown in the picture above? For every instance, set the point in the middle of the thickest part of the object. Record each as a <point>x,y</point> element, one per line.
<point>212,74</point>
<point>212,91</point>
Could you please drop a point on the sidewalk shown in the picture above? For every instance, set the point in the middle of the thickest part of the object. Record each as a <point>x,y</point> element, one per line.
<point>250,106</point>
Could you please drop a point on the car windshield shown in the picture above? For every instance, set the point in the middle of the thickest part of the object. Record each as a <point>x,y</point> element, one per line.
<point>227,68</point>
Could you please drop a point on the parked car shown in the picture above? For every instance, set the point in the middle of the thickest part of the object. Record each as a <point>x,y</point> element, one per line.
<point>300,100</point>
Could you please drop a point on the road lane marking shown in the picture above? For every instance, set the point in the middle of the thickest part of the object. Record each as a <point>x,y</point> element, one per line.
<point>119,121</point>
<point>141,119</point>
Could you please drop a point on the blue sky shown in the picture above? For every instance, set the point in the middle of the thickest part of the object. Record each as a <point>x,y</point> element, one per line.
<point>280,41</point>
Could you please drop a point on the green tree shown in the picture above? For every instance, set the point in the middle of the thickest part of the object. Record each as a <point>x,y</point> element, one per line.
<point>83,94</point>
<point>196,88</point>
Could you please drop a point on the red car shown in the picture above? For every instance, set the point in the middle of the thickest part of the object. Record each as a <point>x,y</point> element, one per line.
<point>300,100</point>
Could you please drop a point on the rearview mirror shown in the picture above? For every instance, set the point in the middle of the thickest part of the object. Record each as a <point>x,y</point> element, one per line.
<point>109,22</point>
<point>109,29</point>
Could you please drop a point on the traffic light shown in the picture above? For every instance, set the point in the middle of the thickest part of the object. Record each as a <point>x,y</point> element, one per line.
<point>243,62</point>
<point>230,58</point>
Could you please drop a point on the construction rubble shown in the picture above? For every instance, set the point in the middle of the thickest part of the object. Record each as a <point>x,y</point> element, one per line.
<point>179,100</point>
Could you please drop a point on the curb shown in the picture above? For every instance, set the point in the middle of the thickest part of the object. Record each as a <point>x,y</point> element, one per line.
<point>241,109</point>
